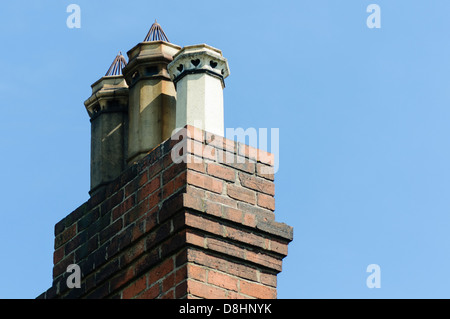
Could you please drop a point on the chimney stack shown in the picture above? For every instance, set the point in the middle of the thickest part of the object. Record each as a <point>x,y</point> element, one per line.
<point>107,107</point>
<point>155,227</point>
<point>198,72</point>
<point>152,102</point>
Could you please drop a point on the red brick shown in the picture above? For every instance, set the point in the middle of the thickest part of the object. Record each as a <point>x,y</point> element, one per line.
<point>257,290</point>
<point>222,280</point>
<point>196,272</point>
<point>265,171</point>
<point>174,185</point>
<point>266,201</point>
<point>279,247</point>
<point>248,151</point>
<point>195,239</point>
<point>180,274</point>
<point>222,265</point>
<point>201,150</point>
<point>245,237</point>
<point>195,163</point>
<point>263,259</point>
<point>124,207</point>
<point>195,133</point>
<point>65,236</point>
<point>213,209</point>
<point>268,279</point>
<point>222,172</point>
<point>151,293</point>
<point>137,212</point>
<point>220,199</point>
<point>135,288</point>
<point>206,291</point>
<point>257,183</point>
<point>154,199</point>
<point>151,219</point>
<point>204,181</point>
<point>181,290</point>
<point>225,248</point>
<point>220,142</point>
<point>168,282</point>
<point>198,222</point>
<point>58,255</point>
<point>123,278</point>
<point>148,188</point>
<point>241,194</point>
<point>232,214</point>
<point>250,220</point>
<point>160,271</point>
<point>193,202</point>
<point>133,252</point>
<point>169,295</point>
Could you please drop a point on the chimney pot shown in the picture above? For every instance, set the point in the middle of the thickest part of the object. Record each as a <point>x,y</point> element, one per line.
<point>198,72</point>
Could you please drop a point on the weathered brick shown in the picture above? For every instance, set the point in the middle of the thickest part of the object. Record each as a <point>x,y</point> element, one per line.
<point>65,236</point>
<point>150,293</point>
<point>111,230</point>
<point>112,202</point>
<point>192,202</point>
<point>266,201</point>
<point>220,199</point>
<point>232,214</point>
<point>263,260</point>
<point>206,291</point>
<point>257,183</point>
<point>279,247</point>
<point>257,290</point>
<point>241,194</point>
<point>174,185</point>
<point>123,278</point>
<point>221,172</point>
<point>268,279</point>
<point>124,207</point>
<point>135,288</point>
<point>148,188</point>
<point>204,181</point>
<point>58,255</point>
<point>204,224</point>
<point>168,282</point>
<point>265,171</point>
<point>158,272</point>
<point>222,280</point>
<point>245,237</point>
<point>226,248</point>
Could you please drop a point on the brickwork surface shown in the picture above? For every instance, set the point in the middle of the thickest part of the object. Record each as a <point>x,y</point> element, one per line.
<point>202,228</point>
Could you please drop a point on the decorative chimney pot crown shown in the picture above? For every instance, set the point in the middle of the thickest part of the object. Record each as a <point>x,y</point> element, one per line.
<point>200,58</point>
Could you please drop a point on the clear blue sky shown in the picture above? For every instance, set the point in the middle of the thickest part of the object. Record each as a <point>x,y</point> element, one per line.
<point>364,119</point>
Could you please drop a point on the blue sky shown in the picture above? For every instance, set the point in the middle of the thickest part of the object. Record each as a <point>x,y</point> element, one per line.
<point>363,114</point>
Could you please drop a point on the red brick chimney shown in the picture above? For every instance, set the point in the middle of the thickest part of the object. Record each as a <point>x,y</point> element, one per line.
<point>200,228</point>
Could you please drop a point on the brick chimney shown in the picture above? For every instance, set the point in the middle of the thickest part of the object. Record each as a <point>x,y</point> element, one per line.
<point>203,227</point>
